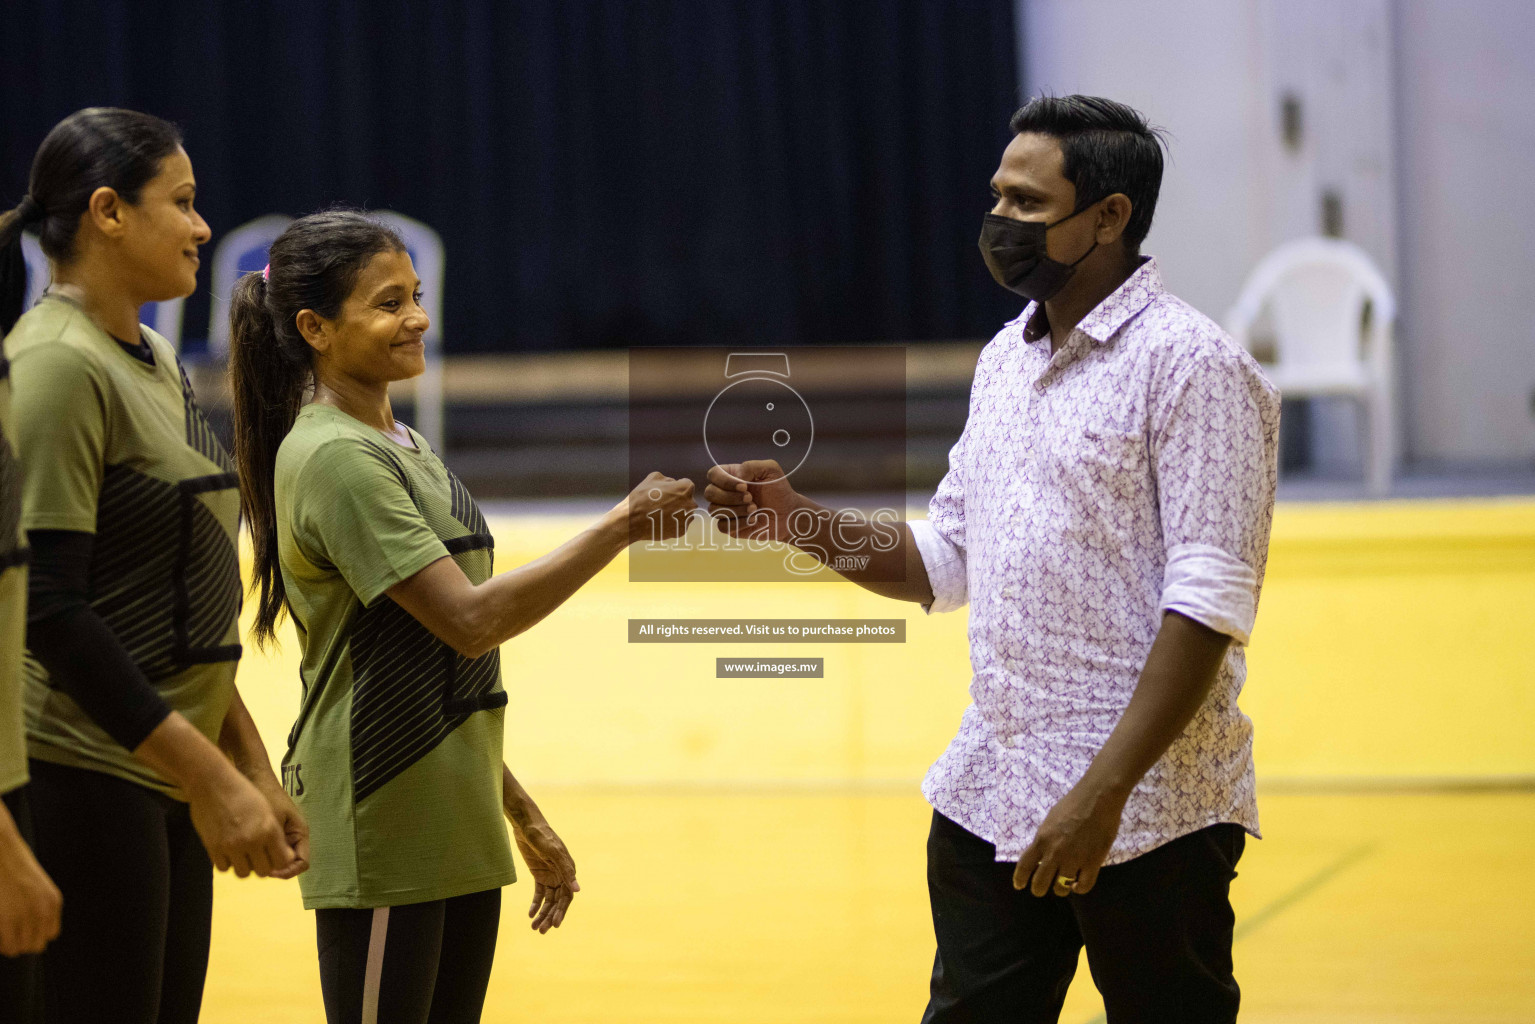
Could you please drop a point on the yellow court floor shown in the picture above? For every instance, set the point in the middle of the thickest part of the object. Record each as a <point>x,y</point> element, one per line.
<point>770,908</point>
<point>752,850</point>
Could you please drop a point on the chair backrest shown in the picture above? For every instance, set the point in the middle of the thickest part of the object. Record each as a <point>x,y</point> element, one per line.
<point>426,252</point>
<point>38,271</point>
<point>162,317</point>
<point>240,252</point>
<point>1315,290</point>
<point>245,249</point>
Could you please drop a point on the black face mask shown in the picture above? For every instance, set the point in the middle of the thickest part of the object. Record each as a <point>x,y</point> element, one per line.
<point>1014,251</point>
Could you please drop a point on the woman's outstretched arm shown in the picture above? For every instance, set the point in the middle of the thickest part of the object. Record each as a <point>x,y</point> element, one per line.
<point>475,619</point>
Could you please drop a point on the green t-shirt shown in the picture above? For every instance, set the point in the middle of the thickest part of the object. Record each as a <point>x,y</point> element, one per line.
<point>116,447</point>
<point>396,755</point>
<point>13,600</point>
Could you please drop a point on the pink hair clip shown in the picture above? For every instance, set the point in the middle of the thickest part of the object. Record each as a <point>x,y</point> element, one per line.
<point>266,272</point>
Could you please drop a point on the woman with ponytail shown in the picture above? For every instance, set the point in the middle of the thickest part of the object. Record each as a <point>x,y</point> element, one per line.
<point>383,560</point>
<point>145,767</point>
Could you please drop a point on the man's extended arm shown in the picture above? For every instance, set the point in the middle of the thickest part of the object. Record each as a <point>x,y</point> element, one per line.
<point>754,500</point>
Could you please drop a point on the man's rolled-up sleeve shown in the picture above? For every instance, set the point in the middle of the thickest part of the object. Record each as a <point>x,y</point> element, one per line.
<point>1215,445</point>
<point>941,538</point>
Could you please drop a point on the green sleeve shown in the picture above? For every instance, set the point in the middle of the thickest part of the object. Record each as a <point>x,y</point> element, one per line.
<point>61,434</point>
<point>352,510</point>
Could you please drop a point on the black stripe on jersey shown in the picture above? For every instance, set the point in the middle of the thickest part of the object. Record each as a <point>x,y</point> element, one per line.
<point>470,542</point>
<point>409,689</point>
<point>207,576</point>
<point>18,556</point>
<point>471,686</point>
<point>200,435</point>
<point>464,508</point>
<point>133,561</point>
<point>399,673</point>
<point>164,575</point>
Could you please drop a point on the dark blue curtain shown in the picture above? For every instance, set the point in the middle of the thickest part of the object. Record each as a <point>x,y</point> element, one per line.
<point>604,173</point>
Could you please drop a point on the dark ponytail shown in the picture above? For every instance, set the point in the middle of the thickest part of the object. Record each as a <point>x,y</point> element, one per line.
<point>98,147</point>
<point>314,265</point>
<point>13,265</point>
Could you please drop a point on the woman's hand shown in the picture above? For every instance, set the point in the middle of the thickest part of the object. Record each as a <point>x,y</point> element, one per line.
<point>236,824</point>
<point>550,864</point>
<point>232,818</point>
<point>30,904</point>
<point>660,508</point>
<point>553,871</point>
<point>290,819</point>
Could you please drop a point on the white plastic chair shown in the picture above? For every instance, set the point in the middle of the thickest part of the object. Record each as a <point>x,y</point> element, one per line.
<point>245,249</point>
<point>1316,291</point>
<point>38,271</point>
<point>162,317</point>
<point>426,252</point>
<point>240,252</point>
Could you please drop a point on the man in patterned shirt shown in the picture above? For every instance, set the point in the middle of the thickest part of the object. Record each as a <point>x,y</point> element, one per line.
<point>1106,517</point>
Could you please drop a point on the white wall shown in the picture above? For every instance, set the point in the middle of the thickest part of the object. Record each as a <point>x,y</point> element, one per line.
<point>1189,66</point>
<point>1467,223</point>
<point>1418,114</point>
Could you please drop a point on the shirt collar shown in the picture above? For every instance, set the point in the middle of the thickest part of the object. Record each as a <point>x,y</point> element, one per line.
<point>1139,290</point>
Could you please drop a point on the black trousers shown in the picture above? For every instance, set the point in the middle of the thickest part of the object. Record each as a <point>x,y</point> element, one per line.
<point>138,900</point>
<point>21,976</point>
<point>422,963</point>
<point>1158,933</point>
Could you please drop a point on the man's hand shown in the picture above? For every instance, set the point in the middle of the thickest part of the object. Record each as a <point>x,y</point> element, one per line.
<point>751,499</point>
<point>30,904</point>
<point>553,871</point>
<point>1072,842</point>
<point>290,819</point>
<point>1076,835</point>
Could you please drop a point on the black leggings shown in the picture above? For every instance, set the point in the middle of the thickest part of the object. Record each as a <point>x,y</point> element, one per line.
<point>20,992</point>
<point>422,963</point>
<point>138,900</point>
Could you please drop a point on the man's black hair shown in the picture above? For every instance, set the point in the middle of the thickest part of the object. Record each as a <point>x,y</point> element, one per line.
<point>1108,147</point>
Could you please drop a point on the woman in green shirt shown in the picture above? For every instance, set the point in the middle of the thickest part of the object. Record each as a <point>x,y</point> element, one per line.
<point>143,762</point>
<point>29,901</point>
<point>384,562</point>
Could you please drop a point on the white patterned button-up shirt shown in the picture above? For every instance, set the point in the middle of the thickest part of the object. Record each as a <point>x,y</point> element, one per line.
<point>1131,473</point>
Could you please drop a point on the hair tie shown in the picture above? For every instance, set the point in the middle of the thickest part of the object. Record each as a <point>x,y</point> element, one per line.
<point>30,211</point>
<point>266,273</point>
